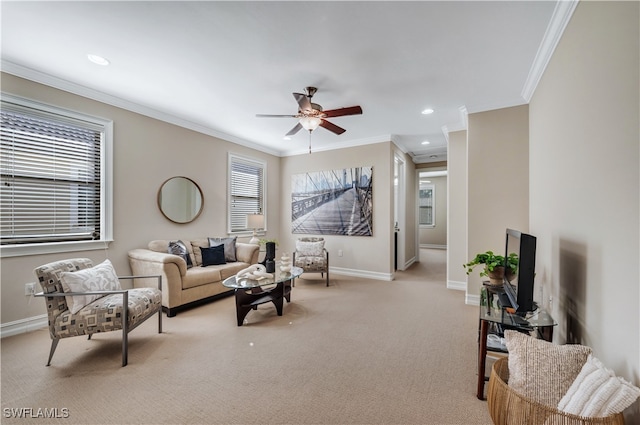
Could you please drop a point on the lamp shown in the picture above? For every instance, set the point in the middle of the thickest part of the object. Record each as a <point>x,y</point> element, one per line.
<point>255,221</point>
<point>310,123</point>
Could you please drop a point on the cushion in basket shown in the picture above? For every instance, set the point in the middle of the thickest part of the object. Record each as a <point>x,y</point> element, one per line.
<point>179,248</point>
<point>598,392</point>
<point>101,277</point>
<point>309,248</point>
<point>541,370</point>
<point>229,247</point>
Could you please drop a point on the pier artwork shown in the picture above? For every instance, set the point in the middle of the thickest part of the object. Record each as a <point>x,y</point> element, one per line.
<point>334,202</point>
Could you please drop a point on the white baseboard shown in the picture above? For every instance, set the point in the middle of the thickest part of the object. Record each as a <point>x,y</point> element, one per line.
<point>458,286</point>
<point>432,246</point>
<point>471,299</point>
<point>23,325</point>
<point>409,263</point>
<point>361,273</point>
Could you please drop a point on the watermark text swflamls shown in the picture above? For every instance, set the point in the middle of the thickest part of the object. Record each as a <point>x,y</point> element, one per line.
<point>37,413</point>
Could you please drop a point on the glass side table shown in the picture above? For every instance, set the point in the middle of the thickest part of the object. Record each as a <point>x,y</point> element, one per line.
<point>538,323</point>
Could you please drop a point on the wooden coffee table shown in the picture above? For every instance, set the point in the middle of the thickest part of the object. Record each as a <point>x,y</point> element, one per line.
<point>250,293</point>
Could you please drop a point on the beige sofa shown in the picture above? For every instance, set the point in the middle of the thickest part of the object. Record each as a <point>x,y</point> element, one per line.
<point>184,287</point>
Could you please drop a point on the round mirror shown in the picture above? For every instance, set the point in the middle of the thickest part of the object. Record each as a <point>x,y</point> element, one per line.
<point>180,199</point>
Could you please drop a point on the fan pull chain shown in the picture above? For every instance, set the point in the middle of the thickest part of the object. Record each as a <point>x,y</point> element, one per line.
<point>309,141</point>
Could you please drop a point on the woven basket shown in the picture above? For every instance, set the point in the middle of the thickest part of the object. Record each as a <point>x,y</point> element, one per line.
<point>507,407</point>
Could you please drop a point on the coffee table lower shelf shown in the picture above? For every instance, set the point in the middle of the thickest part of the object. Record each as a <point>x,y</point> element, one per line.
<point>249,299</point>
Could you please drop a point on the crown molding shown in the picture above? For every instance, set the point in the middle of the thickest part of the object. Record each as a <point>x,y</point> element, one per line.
<point>342,145</point>
<point>77,89</point>
<point>559,21</point>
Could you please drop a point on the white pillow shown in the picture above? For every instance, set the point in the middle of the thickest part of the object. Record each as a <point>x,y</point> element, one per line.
<point>101,277</point>
<point>309,248</point>
<point>598,392</point>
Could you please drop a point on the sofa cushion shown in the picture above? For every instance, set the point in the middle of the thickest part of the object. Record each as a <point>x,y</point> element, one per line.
<point>101,277</point>
<point>196,244</point>
<point>199,276</point>
<point>598,392</point>
<point>229,247</point>
<point>246,252</point>
<point>541,370</point>
<point>213,256</point>
<point>179,248</point>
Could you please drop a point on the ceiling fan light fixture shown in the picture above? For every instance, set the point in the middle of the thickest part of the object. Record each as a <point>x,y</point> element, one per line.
<point>428,111</point>
<point>310,123</point>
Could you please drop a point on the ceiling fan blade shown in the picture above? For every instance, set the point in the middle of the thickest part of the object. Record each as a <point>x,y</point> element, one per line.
<point>304,104</point>
<point>294,130</point>
<point>275,116</point>
<point>351,110</point>
<point>332,127</point>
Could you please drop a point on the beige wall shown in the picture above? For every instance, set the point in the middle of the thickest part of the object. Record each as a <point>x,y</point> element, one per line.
<point>362,255</point>
<point>457,210</point>
<point>584,119</point>
<point>436,237</point>
<point>410,235</point>
<point>146,153</point>
<point>497,181</point>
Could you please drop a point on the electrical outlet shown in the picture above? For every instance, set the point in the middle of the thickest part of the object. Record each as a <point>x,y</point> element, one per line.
<point>29,288</point>
<point>339,253</point>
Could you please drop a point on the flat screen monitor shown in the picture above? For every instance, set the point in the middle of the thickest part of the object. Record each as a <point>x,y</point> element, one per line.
<point>518,285</point>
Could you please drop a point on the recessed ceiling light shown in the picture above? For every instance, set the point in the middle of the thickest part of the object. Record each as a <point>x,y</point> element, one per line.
<point>426,142</point>
<point>427,111</point>
<point>98,60</point>
<point>286,138</point>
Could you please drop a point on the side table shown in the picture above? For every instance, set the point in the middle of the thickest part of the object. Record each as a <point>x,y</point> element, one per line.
<point>539,323</point>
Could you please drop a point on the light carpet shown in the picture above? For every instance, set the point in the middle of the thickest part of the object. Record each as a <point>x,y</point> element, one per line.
<point>357,352</point>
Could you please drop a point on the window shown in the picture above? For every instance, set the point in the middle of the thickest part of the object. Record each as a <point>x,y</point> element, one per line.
<point>426,205</point>
<point>246,191</point>
<point>55,186</point>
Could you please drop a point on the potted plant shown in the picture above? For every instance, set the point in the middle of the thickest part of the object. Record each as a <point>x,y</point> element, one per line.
<point>494,266</point>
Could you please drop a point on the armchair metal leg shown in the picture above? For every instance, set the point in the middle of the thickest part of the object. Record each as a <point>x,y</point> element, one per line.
<point>54,344</point>
<point>125,328</point>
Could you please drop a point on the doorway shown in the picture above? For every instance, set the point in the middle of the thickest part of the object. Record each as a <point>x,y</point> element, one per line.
<point>399,213</point>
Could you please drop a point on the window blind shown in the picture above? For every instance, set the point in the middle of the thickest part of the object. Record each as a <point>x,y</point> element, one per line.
<point>50,168</point>
<point>246,191</point>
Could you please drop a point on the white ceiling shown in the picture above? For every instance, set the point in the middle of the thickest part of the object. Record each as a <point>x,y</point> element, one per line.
<point>212,66</point>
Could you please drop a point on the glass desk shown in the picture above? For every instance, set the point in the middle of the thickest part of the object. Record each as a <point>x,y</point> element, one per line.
<point>250,293</point>
<point>538,323</point>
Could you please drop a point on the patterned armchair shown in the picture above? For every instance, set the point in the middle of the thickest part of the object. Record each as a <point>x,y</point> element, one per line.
<point>83,300</point>
<point>311,256</point>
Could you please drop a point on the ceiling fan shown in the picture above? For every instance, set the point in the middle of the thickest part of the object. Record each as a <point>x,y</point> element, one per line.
<point>311,115</point>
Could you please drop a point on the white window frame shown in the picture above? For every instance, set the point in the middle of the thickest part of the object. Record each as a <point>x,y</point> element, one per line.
<point>106,181</point>
<point>230,201</point>
<point>423,186</point>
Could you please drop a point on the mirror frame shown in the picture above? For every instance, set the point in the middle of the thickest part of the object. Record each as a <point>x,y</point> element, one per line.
<point>166,214</point>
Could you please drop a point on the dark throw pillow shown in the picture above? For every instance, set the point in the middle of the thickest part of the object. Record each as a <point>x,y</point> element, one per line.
<point>229,247</point>
<point>179,248</point>
<point>213,256</point>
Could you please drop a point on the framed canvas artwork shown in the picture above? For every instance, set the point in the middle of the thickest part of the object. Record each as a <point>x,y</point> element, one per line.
<point>333,202</point>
